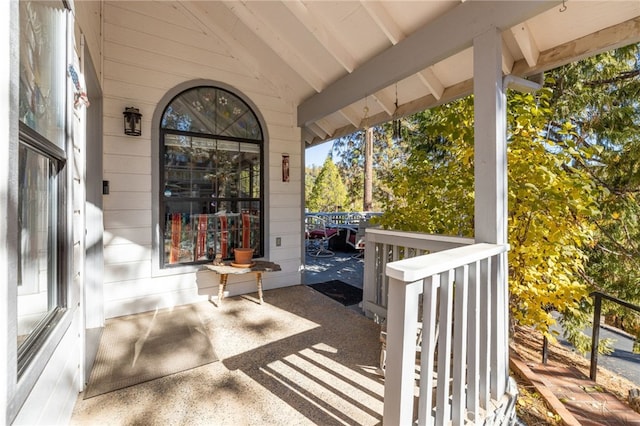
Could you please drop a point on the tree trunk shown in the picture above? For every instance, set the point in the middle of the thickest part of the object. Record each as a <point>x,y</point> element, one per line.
<point>368,170</point>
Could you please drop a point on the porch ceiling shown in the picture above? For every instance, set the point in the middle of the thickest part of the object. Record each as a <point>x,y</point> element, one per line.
<point>334,58</point>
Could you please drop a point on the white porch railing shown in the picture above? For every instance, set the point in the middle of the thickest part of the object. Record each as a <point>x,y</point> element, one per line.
<point>463,359</point>
<point>384,246</point>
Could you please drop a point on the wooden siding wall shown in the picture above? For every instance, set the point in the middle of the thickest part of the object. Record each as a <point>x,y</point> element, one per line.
<point>149,48</point>
<point>89,14</point>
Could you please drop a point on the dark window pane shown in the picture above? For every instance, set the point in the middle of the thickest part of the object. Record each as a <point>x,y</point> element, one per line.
<point>37,227</point>
<point>212,111</point>
<point>211,177</point>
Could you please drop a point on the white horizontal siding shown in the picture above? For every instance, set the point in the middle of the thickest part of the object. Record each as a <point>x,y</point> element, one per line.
<point>128,182</point>
<point>115,236</point>
<point>123,253</point>
<point>117,219</point>
<point>286,213</point>
<point>125,271</point>
<point>88,12</point>
<point>128,201</point>
<point>119,143</point>
<point>149,48</point>
<point>55,393</point>
<point>127,164</point>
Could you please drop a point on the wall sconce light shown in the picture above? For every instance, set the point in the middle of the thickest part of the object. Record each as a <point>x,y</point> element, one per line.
<point>132,121</point>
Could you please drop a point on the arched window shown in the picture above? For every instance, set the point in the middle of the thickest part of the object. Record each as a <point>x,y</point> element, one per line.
<point>211,163</point>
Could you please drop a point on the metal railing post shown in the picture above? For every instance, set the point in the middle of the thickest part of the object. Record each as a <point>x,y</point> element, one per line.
<point>595,336</point>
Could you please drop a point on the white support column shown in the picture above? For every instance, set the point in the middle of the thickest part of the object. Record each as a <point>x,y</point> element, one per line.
<point>490,140</point>
<point>491,185</point>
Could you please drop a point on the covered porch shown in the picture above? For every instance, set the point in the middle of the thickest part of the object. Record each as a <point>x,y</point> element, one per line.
<point>300,358</point>
<point>310,72</point>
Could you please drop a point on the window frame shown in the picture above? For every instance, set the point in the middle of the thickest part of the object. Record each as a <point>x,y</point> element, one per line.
<point>158,268</point>
<point>29,349</point>
<point>54,327</point>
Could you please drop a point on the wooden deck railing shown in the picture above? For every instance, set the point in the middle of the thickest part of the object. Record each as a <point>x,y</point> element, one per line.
<point>384,246</point>
<point>460,297</point>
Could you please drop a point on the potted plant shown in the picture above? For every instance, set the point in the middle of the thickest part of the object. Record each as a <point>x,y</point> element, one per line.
<point>243,256</point>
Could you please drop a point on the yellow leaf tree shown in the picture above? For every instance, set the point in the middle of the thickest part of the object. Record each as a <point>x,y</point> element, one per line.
<point>550,200</point>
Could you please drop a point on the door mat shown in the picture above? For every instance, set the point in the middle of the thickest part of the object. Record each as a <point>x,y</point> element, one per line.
<point>142,347</point>
<point>339,291</point>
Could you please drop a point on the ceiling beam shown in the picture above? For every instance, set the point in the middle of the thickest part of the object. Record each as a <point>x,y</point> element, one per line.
<point>351,115</point>
<point>455,30</point>
<point>325,126</point>
<point>317,130</point>
<point>325,37</point>
<point>386,101</point>
<point>507,59</point>
<point>526,43</point>
<point>383,20</point>
<point>610,38</point>
<point>613,37</point>
<point>432,82</point>
<point>278,44</point>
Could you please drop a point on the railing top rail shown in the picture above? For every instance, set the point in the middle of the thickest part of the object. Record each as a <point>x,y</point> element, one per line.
<point>378,234</point>
<point>420,267</point>
<point>616,300</point>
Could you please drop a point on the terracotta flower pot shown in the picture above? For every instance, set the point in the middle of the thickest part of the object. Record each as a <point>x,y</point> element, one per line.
<point>243,256</point>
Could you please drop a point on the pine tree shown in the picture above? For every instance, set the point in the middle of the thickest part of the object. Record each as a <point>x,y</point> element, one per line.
<point>329,193</point>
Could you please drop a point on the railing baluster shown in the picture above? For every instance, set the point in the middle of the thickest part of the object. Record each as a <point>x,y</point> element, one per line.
<point>473,351</point>
<point>485,332</point>
<point>428,349</point>
<point>461,296</point>
<point>443,413</point>
<point>499,319</point>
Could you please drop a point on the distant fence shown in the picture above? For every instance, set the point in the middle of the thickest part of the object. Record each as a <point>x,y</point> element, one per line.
<point>595,336</point>
<point>344,218</point>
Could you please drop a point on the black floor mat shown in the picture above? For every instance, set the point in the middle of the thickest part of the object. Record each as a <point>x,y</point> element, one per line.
<point>339,291</point>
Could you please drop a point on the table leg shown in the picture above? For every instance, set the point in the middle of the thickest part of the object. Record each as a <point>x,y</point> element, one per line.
<point>221,287</point>
<point>259,282</point>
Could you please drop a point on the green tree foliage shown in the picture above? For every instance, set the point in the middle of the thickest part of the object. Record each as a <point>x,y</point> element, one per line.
<point>387,154</point>
<point>328,193</point>
<point>599,95</point>
<point>310,176</point>
<point>549,200</point>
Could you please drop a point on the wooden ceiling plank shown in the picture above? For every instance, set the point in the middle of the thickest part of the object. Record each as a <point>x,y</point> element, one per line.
<point>456,29</point>
<point>325,37</point>
<point>278,44</point>
<point>206,24</point>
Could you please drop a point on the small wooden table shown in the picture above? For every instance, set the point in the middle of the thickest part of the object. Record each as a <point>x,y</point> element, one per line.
<point>225,269</point>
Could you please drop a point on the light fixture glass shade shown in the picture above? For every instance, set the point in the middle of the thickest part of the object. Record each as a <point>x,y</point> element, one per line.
<point>132,121</point>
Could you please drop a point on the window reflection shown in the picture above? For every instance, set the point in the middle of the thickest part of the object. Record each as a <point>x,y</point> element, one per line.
<point>37,230</point>
<point>43,68</point>
<point>211,177</point>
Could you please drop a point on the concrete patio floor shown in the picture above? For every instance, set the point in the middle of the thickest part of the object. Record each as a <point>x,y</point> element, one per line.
<point>300,358</point>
